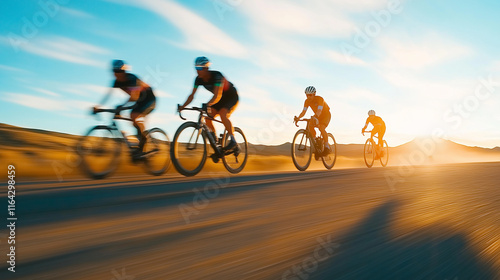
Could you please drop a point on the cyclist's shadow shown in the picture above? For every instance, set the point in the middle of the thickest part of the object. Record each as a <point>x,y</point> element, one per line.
<point>371,251</point>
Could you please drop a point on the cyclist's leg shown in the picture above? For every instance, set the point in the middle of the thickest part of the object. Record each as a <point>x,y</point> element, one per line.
<point>210,124</point>
<point>324,134</point>
<point>324,120</point>
<point>138,122</point>
<point>373,133</point>
<point>224,116</point>
<point>225,107</point>
<point>381,134</point>
<point>312,131</point>
<point>138,116</point>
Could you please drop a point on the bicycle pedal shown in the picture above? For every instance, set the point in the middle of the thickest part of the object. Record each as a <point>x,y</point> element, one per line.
<point>214,158</point>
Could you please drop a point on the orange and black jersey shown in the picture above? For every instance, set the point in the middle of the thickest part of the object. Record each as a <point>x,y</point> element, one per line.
<point>216,80</point>
<point>317,103</point>
<point>132,83</point>
<point>375,121</point>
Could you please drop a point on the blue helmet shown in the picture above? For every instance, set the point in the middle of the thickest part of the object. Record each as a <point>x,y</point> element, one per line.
<point>118,65</point>
<point>202,61</point>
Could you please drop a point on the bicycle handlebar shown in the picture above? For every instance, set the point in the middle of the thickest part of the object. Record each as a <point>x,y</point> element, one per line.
<point>191,109</point>
<point>301,120</point>
<point>115,111</point>
<point>97,110</point>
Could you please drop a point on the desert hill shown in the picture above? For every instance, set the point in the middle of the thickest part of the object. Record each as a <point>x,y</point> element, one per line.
<point>42,153</point>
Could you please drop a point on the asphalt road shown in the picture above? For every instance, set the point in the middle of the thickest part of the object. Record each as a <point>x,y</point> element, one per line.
<point>427,222</point>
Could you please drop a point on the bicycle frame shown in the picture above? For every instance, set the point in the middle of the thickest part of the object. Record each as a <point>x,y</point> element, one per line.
<point>373,136</point>
<point>114,125</point>
<point>204,130</point>
<point>308,134</point>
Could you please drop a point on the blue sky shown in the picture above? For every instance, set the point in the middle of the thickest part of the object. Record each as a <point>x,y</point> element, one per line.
<point>421,65</point>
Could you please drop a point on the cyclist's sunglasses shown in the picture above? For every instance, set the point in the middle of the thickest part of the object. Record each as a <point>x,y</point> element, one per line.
<point>118,71</point>
<point>199,68</point>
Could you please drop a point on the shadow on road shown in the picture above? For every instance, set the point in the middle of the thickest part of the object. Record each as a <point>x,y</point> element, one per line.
<point>371,251</point>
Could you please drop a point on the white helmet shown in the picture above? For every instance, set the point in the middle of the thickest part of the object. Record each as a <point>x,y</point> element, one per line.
<point>310,90</point>
<point>371,113</point>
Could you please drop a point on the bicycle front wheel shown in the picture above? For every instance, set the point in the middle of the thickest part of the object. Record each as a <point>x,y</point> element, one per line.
<point>156,151</point>
<point>235,160</point>
<point>329,160</point>
<point>99,151</point>
<point>189,149</point>
<point>369,152</point>
<point>301,150</point>
<point>384,156</point>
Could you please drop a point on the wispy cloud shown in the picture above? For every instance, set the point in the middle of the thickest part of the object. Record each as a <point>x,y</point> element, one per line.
<point>494,66</point>
<point>44,91</point>
<point>315,18</point>
<point>33,101</point>
<point>291,30</point>
<point>11,69</point>
<point>84,89</point>
<point>312,18</point>
<point>76,13</point>
<point>46,103</point>
<point>63,48</point>
<point>360,94</point>
<point>342,59</point>
<point>200,34</point>
<point>418,53</point>
<point>163,94</point>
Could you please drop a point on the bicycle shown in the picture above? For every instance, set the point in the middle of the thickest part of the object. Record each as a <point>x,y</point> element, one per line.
<point>369,153</point>
<point>101,146</point>
<point>189,146</point>
<point>302,149</point>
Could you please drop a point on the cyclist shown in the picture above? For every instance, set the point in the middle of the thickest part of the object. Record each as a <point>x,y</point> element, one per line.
<point>223,102</point>
<point>378,127</point>
<point>321,117</point>
<point>142,99</point>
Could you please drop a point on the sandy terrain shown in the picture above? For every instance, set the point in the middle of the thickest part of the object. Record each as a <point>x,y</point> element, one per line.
<point>51,155</point>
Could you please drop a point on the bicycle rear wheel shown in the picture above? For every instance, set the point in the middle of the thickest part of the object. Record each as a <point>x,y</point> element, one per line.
<point>99,151</point>
<point>301,150</point>
<point>384,157</point>
<point>156,151</point>
<point>189,149</point>
<point>329,160</point>
<point>369,153</point>
<point>235,160</point>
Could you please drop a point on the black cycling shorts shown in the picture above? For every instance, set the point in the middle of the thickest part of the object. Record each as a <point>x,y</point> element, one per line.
<point>228,100</point>
<point>380,129</point>
<point>146,104</point>
<point>325,118</point>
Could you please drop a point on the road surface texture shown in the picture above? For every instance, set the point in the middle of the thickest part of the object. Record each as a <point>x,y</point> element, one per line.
<point>434,222</point>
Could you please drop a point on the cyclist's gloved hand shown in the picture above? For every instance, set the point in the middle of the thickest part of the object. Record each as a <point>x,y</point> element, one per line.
<point>118,109</point>
<point>204,107</point>
<point>94,110</point>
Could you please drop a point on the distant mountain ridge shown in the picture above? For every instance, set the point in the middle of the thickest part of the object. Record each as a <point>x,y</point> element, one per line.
<point>18,137</point>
